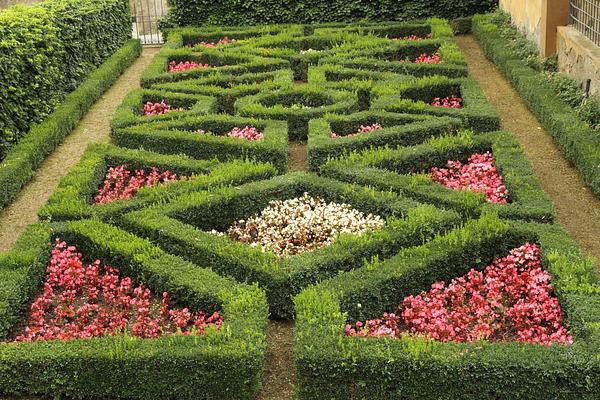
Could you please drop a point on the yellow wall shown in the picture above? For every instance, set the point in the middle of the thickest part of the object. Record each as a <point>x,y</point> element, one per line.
<point>527,15</point>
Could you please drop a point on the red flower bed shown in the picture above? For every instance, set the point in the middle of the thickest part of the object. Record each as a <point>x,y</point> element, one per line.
<point>247,133</point>
<point>83,301</point>
<point>185,66</point>
<point>121,183</point>
<point>159,108</point>
<point>428,59</point>
<point>362,129</point>
<point>414,37</point>
<point>213,45</point>
<point>478,174</point>
<point>447,102</point>
<point>510,300</point>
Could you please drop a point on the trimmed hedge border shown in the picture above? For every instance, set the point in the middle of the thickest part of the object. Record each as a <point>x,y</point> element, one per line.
<point>73,197</point>
<point>398,130</point>
<point>19,165</point>
<point>177,137</point>
<point>227,362</point>
<point>277,105</point>
<point>575,138</point>
<point>182,226</point>
<point>415,97</point>
<point>393,169</point>
<point>331,365</point>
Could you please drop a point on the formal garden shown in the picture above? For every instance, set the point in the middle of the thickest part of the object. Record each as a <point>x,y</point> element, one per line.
<point>348,183</point>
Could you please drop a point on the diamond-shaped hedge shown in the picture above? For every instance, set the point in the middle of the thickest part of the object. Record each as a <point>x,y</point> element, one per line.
<point>183,226</point>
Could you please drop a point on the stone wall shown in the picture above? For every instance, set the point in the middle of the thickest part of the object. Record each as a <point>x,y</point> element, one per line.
<point>579,57</point>
<point>526,15</point>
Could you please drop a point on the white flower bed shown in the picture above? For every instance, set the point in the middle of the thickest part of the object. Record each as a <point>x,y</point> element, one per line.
<point>301,224</point>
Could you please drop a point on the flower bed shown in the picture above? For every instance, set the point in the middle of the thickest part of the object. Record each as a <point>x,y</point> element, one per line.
<point>122,183</point>
<point>478,174</point>
<point>213,45</point>
<point>428,59</point>
<point>301,224</point>
<point>158,108</point>
<point>248,133</point>
<point>447,102</point>
<point>83,301</point>
<point>362,129</point>
<point>181,66</point>
<point>510,300</point>
<point>414,37</point>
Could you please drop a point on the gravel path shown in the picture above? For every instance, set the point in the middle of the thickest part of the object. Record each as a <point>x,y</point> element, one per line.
<point>93,128</point>
<point>576,206</point>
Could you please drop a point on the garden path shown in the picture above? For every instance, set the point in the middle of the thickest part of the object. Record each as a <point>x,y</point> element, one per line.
<point>93,128</point>
<point>576,206</point>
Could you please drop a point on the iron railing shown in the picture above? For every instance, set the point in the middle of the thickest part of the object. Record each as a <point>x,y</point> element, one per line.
<point>584,15</point>
<point>145,15</point>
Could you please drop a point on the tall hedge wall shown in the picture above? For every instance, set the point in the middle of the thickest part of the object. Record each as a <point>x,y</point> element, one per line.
<point>253,12</point>
<point>46,50</point>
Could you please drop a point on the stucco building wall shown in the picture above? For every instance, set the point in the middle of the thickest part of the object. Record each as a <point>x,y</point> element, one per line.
<point>527,16</point>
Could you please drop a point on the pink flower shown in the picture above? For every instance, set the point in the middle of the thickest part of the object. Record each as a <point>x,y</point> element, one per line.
<point>510,300</point>
<point>362,129</point>
<point>428,59</point>
<point>248,133</point>
<point>447,102</point>
<point>185,66</point>
<point>79,302</point>
<point>121,183</point>
<point>478,174</point>
<point>213,45</point>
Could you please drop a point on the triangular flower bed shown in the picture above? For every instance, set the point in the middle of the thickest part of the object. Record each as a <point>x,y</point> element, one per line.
<point>512,299</point>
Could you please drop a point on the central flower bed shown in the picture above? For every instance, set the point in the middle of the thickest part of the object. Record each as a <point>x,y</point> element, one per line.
<point>301,224</point>
<point>510,300</point>
<point>82,301</point>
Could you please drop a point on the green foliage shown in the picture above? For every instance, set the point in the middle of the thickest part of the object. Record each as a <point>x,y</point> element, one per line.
<point>19,165</point>
<point>207,366</point>
<point>49,49</point>
<point>339,367</point>
<point>203,12</point>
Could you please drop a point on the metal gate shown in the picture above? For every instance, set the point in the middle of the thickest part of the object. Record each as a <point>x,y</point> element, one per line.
<point>584,15</point>
<point>145,15</point>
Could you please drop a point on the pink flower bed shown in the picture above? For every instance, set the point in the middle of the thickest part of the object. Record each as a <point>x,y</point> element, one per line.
<point>428,59</point>
<point>121,183</point>
<point>511,300</point>
<point>414,37</point>
<point>447,102</point>
<point>362,129</point>
<point>478,174</point>
<point>246,133</point>
<point>84,301</point>
<point>159,108</point>
<point>185,66</point>
<point>213,45</point>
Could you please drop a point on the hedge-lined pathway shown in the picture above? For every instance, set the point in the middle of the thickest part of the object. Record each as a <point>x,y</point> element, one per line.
<point>93,128</point>
<point>576,206</point>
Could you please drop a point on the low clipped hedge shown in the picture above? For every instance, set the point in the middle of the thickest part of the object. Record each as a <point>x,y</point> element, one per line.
<point>227,89</point>
<point>48,50</point>
<point>416,97</point>
<point>398,130</point>
<point>573,136</point>
<point>395,169</point>
<point>183,225</point>
<point>218,61</point>
<point>331,365</point>
<point>131,110</point>
<point>177,137</point>
<point>22,160</point>
<point>73,199</point>
<point>297,106</point>
<point>228,362</point>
